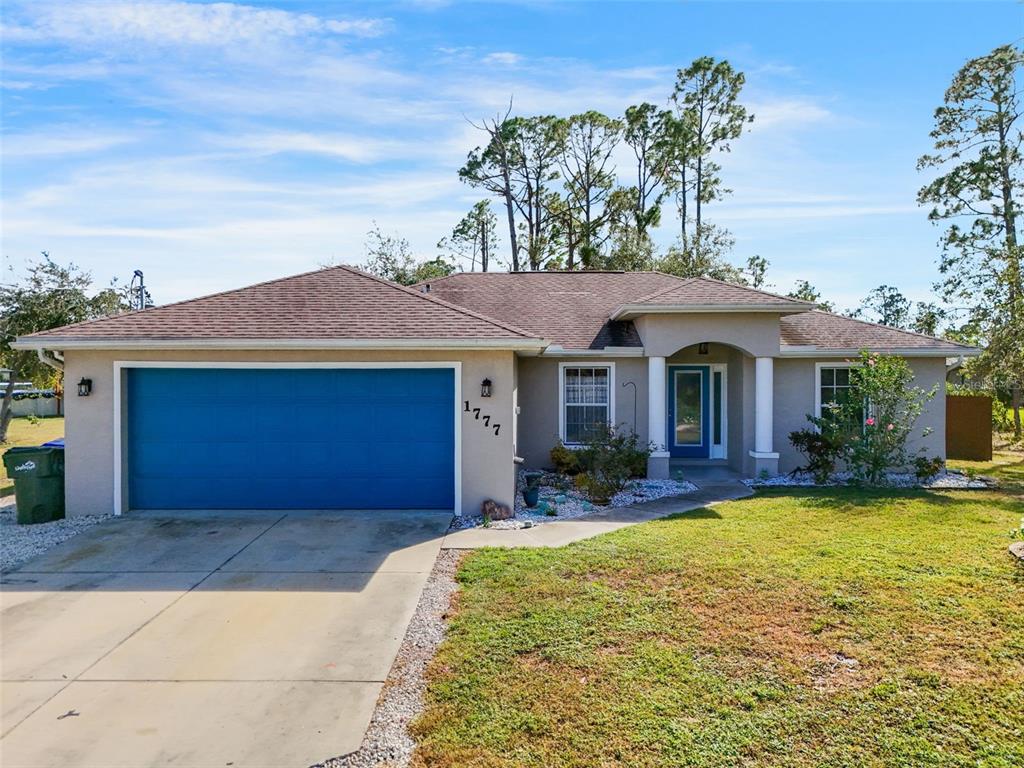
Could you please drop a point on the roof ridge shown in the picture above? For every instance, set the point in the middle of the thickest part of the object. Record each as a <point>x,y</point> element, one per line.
<point>696,278</point>
<point>156,308</point>
<point>342,267</point>
<point>888,327</point>
<point>756,290</point>
<point>441,302</point>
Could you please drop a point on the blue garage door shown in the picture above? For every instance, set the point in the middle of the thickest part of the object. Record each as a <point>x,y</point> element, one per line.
<point>204,438</point>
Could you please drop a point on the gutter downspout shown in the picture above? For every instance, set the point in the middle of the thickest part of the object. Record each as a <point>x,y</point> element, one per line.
<point>56,362</point>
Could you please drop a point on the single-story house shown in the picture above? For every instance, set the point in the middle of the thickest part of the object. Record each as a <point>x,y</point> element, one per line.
<point>337,389</point>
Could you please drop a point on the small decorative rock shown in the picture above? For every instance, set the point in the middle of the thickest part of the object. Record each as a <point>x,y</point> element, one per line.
<point>1017,550</point>
<point>492,510</point>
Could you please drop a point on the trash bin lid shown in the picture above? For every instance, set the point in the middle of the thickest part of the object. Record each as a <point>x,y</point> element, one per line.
<point>56,443</point>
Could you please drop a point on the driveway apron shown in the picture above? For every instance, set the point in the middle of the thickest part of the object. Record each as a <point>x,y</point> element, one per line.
<point>249,639</point>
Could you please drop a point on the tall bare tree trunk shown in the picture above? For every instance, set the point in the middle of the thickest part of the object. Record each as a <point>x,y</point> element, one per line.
<point>1015,399</point>
<point>700,190</point>
<point>1012,259</point>
<point>682,206</point>
<point>510,210</point>
<point>484,252</point>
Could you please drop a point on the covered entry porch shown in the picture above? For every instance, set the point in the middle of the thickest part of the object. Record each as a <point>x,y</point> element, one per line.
<point>710,404</point>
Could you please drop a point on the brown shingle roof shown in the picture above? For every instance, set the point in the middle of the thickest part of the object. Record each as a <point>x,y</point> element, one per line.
<point>572,309</point>
<point>825,330</point>
<point>338,303</point>
<point>705,291</point>
<point>568,308</point>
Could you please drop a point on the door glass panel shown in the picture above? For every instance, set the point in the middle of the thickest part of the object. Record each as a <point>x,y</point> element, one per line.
<point>689,416</point>
<point>717,400</point>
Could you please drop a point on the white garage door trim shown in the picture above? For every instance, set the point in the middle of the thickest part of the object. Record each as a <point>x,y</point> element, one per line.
<point>121,365</point>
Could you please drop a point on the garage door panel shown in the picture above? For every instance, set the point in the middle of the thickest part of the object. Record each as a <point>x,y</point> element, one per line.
<point>290,438</point>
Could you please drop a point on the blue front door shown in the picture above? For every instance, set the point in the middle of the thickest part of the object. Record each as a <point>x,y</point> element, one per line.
<point>339,438</point>
<point>689,400</point>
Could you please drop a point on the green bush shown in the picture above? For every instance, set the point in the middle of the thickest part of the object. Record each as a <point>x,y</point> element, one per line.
<point>883,382</point>
<point>823,447</point>
<point>609,461</point>
<point>925,469</point>
<point>565,460</point>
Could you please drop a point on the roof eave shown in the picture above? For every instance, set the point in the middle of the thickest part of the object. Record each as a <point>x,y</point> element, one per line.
<point>790,350</point>
<point>632,311</point>
<point>557,350</point>
<point>66,343</point>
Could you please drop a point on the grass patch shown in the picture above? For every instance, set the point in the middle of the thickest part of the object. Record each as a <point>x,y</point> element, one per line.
<point>837,627</point>
<point>1006,467</point>
<point>23,432</point>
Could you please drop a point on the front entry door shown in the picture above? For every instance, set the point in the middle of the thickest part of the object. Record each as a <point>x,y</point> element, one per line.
<point>689,400</point>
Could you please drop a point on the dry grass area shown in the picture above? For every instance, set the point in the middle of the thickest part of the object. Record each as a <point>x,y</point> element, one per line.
<point>838,627</point>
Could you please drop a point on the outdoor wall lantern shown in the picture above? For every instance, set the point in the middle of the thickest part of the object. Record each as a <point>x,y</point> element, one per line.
<point>84,387</point>
<point>485,388</point>
<point>702,348</point>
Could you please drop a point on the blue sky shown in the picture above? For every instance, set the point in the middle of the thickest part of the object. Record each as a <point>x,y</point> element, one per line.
<point>216,145</point>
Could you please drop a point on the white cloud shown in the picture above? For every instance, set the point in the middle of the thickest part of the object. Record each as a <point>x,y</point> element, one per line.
<point>353,148</point>
<point>505,58</point>
<point>168,22</point>
<point>788,112</point>
<point>66,142</point>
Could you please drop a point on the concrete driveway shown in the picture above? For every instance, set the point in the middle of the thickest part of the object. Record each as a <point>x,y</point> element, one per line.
<point>257,639</point>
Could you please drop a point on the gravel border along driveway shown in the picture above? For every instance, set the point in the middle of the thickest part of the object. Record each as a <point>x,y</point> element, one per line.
<point>19,543</point>
<point>387,741</point>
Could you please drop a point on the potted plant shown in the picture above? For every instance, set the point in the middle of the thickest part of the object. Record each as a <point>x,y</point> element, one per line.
<point>531,488</point>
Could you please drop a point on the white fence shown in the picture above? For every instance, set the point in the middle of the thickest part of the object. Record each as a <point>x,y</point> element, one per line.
<point>31,401</point>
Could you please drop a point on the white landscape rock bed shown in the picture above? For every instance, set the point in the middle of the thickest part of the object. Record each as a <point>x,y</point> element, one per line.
<point>946,480</point>
<point>569,504</point>
<point>19,543</point>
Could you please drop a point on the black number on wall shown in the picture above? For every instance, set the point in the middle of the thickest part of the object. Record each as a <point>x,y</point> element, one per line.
<point>476,414</point>
<point>487,421</point>
<point>467,406</point>
<point>497,428</point>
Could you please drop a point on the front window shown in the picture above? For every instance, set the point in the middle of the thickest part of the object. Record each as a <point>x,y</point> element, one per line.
<point>587,402</point>
<point>835,391</point>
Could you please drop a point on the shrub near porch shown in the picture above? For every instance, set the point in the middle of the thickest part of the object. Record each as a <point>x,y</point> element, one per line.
<point>841,627</point>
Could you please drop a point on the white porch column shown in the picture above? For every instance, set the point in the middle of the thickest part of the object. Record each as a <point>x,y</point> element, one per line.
<point>765,458</point>
<point>657,425</point>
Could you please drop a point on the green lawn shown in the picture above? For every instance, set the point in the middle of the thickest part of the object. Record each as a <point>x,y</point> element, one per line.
<point>1007,466</point>
<point>838,628</point>
<point>23,432</point>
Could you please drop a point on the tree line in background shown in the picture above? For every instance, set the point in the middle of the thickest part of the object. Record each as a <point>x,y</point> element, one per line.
<point>561,206</point>
<point>49,296</point>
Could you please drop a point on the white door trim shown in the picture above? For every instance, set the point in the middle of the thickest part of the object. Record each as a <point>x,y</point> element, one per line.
<point>121,365</point>
<point>720,450</point>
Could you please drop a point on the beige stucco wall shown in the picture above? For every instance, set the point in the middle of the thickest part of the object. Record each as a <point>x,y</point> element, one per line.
<point>539,399</point>
<point>795,381</point>
<point>488,470</point>
<point>755,333</point>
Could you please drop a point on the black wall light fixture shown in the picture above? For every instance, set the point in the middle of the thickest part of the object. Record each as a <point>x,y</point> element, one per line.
<point>84,387</point>
<point>485,388</point>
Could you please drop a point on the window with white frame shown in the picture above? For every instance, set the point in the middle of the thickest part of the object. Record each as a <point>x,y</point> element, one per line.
<point>835,389</point>
<point>586,401</point>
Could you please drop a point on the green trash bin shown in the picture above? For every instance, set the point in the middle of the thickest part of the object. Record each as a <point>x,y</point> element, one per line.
<point>38,475</point>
